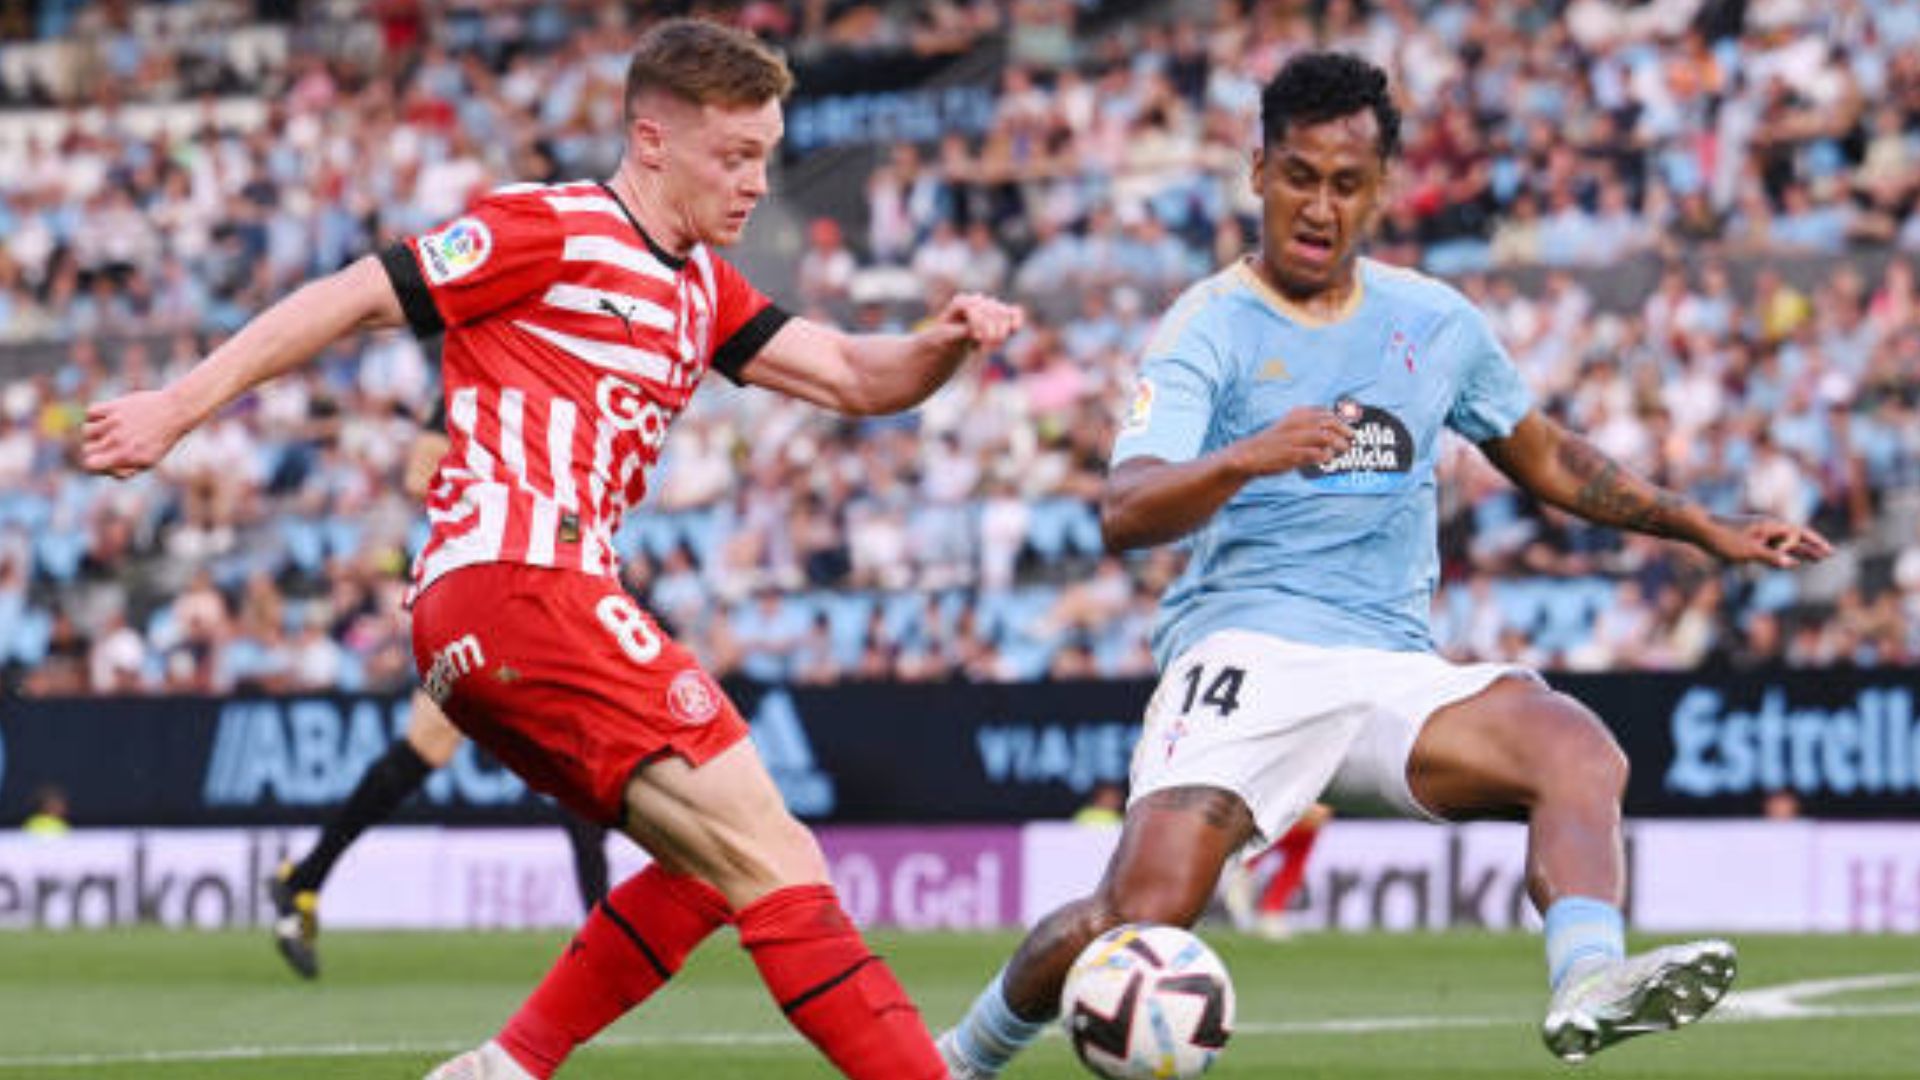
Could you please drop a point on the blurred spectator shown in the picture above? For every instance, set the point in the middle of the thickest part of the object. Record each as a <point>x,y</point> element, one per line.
<point>1724,209</point>
<point>1105,806</point>
<point>48,821</point>
<point>825,273</point>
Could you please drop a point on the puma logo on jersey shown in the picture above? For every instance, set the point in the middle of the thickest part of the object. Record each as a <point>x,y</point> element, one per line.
<point>615,310</point>
<point>456,658</point>
<point>1275,370</point>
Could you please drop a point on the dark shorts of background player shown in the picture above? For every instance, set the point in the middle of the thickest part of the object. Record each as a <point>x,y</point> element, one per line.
<point>524,661</point>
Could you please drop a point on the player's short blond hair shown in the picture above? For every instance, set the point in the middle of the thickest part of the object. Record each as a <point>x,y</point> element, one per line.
<point>705,63</point>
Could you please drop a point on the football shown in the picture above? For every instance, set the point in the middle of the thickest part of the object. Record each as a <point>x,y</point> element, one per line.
<point>1147,1002</point>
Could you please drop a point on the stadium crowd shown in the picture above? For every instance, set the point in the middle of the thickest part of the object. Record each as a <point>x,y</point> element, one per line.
<point>1548,144</point>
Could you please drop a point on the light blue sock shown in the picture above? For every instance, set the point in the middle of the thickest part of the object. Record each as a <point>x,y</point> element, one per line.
<point>990,1034</point>
<point>1580,929</point>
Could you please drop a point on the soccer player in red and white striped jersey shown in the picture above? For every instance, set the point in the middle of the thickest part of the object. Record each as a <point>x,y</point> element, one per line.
<point>579,319</point>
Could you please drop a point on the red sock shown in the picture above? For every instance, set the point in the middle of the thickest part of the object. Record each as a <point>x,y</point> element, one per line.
<point>630,945</point>
<point>1294,849</point>
<point>838,994</point>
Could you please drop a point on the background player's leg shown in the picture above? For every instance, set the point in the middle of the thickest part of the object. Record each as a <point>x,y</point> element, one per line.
<point>1296,849</point>
<point>725,822</point>
<point>589,843</point>
<point>1171,850</point>
<point>430,743</point>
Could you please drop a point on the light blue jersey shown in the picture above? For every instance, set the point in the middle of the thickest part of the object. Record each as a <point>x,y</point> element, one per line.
<point>1341,556</point>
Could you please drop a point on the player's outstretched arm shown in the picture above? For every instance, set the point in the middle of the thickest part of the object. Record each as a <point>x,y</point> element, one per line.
<point>1571,473</point>
<point>872,374</point>
<point>1150,501</point>
<point>128,434</point>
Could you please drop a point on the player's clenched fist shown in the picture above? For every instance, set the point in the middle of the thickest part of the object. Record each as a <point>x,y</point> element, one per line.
<point>128,434</point>
<point>982,321</point>
<point>1308,435</point>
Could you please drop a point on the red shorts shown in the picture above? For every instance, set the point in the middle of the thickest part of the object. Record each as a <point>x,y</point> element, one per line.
<point>565,680</point>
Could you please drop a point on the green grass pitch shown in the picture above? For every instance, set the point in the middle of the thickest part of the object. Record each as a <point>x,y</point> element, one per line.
<point>219,1006</point>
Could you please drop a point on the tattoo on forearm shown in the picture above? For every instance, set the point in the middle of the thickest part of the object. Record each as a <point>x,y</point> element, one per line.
<point>1612,496</point>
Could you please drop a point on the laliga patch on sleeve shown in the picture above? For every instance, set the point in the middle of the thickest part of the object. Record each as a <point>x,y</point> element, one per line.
<point>455,251</point>
<point>1141,411</point>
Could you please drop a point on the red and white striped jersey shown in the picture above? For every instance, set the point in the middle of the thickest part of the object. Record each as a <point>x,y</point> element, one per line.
<point>572,341</point>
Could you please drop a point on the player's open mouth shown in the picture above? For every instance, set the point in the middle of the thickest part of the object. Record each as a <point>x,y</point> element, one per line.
<point>1312,248</point>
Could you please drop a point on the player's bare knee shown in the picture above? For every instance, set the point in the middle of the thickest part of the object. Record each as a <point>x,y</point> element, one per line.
<point>797,853</point>
<point>1580,756</point>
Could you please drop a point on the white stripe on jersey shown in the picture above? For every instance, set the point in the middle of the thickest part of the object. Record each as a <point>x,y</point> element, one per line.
<point>632,309</point>
<point>464,413</point>
<point>560,452</point>
<point>540,537</point>
<point>624,359</point>
<point>513,446</point>
<point>586,204</point>
<point>606,249</point>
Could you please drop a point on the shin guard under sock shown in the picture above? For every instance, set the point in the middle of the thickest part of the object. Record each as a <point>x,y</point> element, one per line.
<point>630,945</point>
<point>841,996</point>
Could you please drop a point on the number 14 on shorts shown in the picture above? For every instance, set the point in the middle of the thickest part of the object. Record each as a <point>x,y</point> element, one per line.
<point>1221,691</point>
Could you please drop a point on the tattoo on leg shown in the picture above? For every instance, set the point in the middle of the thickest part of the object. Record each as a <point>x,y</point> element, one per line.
<point>1222,808</point>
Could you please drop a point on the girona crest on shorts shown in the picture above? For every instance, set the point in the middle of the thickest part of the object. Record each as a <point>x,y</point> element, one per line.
<point>693,698</point>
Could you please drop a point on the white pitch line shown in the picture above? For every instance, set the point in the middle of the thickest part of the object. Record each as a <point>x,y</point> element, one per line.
<point>1788,1001</point>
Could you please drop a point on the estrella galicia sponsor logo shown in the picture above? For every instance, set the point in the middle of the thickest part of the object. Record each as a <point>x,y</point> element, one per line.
<point>312,751</point>
<point>1380,458</point>
<point>781,739</point>
<point>1869,745</point>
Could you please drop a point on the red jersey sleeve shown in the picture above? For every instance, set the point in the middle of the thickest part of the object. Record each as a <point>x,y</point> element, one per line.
<point>743,319</point>
<point>506,247</point>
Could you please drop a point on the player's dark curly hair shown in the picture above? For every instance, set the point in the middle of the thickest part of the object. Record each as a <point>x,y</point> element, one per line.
<point>1316,87</point>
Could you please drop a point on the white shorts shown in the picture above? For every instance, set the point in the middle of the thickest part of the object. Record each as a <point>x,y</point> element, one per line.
<point>1285,725</point>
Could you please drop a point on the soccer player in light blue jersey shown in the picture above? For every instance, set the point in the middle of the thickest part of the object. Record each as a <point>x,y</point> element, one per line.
<point>1287,420</point>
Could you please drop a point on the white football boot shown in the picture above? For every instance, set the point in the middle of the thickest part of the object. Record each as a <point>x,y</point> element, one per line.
<point>1659,990</point>
<point>488,1062</point>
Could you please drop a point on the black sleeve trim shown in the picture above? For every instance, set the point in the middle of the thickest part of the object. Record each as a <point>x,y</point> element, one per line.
<point>411,287</point>
<point>735,353</point>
